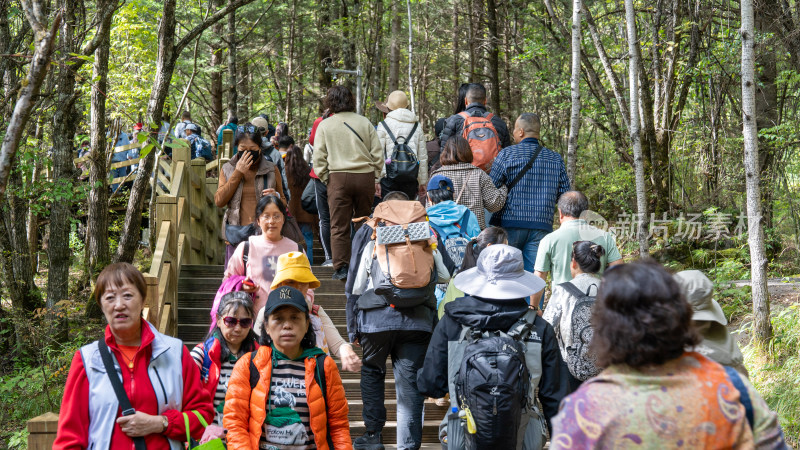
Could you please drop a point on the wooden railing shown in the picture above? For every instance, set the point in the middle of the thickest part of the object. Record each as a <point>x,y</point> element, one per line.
<point>188,232</point>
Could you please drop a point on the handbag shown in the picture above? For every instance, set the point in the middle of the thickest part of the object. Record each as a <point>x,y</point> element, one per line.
<point>308,201</point>
<point>496,219</point>
<point>214,444</point>
<point>238,233</point>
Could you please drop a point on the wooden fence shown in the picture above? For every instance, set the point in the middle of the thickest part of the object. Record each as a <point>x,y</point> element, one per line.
<point>188,232</point>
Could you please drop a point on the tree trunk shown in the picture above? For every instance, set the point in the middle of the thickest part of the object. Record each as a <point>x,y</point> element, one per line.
<point>97,250</point>
<point>44,43</point>
<point>323,50</point>
<point>233,82</point>
<point>456,40</point>
<point>767,110</point>
<point>217,58</point>
<point>168,53</point>
<point>575,113</point>
<point>394,47</point>
<point>287,117</point>
<point>63,135</point>
<point>758,258</point>
<point>494,55</point>
<point>633,80</point>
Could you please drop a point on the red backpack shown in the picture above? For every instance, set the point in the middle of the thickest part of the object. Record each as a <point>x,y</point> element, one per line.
<point>483,139</point>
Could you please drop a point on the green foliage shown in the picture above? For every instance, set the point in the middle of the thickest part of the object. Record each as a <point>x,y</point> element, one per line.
<point>775,371</point>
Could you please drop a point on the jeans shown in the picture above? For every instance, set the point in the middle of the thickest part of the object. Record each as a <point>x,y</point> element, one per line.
<point>407,350</point>
<point>324,217</point>
<point>308,234</point>
<point>527,241</point>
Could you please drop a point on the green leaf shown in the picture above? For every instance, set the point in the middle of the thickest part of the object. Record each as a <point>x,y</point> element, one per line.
<point>180,143</point>
<point>141,137</point>
<point>147,149</point>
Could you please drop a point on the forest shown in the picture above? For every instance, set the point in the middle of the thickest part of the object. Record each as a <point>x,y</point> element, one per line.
<point>644,100</point>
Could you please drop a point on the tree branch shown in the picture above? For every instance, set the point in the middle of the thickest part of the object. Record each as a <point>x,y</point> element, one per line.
<point>22,110</point>
<point>214,18</point>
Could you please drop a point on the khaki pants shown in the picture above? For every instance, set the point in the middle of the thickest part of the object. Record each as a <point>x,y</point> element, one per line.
<point>349,195</point>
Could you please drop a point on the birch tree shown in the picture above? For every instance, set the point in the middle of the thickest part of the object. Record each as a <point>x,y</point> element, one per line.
<point>575,114</point>
<point>638,161</point>
<point>758,259</point>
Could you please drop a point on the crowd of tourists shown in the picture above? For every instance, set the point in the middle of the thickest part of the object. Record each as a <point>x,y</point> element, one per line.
<point>445,248</point>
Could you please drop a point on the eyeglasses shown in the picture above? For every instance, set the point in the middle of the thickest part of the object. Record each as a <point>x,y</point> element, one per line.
<point>232,321</point>
<point>272,218</point>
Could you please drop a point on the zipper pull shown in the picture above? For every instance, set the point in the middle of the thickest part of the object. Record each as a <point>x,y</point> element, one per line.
<point>494,408</point>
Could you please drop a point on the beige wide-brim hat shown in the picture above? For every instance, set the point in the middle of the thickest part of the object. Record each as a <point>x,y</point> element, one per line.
<point>396,100</point>
<point>499,275</point>
<point>699,291</point>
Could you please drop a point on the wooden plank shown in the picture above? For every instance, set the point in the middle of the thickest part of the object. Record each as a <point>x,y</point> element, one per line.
<point>124,148</point>
<point>212,165</point>
<point>163,326</point>
<point>162,163</point>
<point>152,300</point>
<point>125,163</point>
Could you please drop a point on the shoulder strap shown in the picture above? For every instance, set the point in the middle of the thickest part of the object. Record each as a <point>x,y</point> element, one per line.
<point>573,290</point>
<point>523,326</point>
<point>119,391</point>
<point>464,114</point>
<point>388,131</point>
<point>319,374</point>
<point>744,396</point>
<point>354,131</point>
<point>411,134</point>
<point>254,375</point>
<point>206,358</point>
<point>526,168</point>
<point>246,252</point>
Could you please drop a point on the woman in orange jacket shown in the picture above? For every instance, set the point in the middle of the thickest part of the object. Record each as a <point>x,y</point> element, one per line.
<point>287,394</point>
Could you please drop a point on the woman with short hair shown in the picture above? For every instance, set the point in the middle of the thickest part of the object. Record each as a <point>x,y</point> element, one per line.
<point>653,393</point>
<point>286,404</point>
<point>473,188</point>
<point>155,372</point>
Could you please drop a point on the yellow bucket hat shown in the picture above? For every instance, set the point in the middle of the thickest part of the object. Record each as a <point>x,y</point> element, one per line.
<point>294,266</point>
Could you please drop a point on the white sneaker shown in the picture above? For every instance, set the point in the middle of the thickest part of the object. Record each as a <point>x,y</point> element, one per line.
<point>328,263</point>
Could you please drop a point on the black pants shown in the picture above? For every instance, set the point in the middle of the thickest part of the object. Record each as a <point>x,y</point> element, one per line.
<point>324,217</point>
<point>407,350</point>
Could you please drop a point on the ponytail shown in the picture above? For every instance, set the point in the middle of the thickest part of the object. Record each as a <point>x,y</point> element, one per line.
<point>489,236</point>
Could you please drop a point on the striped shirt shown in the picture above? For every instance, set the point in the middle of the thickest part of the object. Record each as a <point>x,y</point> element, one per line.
<point>532,202</point>
<point>225,370</point>
<point>288,390</point>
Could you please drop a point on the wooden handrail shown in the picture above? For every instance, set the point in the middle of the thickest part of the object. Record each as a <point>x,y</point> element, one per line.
<point>188,225</point>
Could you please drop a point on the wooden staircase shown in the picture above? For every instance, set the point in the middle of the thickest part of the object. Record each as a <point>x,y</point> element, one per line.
<point>197,285</point>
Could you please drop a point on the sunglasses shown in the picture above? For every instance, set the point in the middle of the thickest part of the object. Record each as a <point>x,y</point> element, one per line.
<point>232,321</point>
<point>249,129</point>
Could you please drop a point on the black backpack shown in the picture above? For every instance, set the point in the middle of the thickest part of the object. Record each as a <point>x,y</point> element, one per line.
<point>580,363</point>
<point>493,382</point>
<point>404,166</point>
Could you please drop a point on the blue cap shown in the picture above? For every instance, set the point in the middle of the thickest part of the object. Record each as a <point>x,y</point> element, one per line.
<point>435,181</point>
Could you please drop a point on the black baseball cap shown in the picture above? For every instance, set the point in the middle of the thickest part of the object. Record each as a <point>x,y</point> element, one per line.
<point>285,295</point>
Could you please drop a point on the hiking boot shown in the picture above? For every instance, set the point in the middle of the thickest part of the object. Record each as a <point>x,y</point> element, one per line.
<point>328,263</point>
<point>369,441</point>
<point>341,273</point>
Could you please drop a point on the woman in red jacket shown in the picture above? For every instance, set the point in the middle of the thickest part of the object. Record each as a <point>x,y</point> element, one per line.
<point>231,338</point>
<point>290,395</point>
<point>157,375</point>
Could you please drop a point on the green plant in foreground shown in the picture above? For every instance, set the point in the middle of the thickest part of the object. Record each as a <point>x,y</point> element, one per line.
<point>775,371</point>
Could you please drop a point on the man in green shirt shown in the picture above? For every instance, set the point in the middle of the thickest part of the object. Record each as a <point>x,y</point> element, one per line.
<point>555,249</point>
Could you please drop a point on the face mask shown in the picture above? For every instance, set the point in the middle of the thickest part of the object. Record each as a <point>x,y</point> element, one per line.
<point>255,155</point>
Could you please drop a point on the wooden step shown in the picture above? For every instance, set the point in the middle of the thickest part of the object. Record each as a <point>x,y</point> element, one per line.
<point>432,410</point>
<point>430,431</point>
